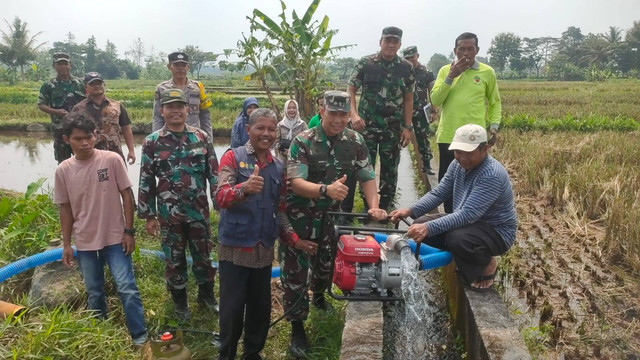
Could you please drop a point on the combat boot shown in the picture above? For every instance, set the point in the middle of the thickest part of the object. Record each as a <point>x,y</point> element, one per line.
<point>429,171</point>
<point>299,346</point>
<point>206,298</point>
<point>320,302</point>
<point>180,304</point>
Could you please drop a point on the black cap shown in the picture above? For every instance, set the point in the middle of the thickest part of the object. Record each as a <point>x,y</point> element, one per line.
<point>178,56</point>
<point>92,76</point>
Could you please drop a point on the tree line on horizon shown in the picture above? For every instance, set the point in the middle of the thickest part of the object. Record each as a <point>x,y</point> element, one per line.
<point>296,55</point>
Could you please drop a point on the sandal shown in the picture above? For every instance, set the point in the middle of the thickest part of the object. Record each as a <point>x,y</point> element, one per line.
<point>479,279</point>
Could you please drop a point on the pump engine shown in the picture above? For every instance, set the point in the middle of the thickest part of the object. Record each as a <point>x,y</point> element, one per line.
<point>365,268</point>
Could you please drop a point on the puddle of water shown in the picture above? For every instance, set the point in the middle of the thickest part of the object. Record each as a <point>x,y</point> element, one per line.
<point>26,157</point>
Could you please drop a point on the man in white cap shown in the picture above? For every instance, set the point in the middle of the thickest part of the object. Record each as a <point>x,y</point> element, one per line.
<point>483,222</point>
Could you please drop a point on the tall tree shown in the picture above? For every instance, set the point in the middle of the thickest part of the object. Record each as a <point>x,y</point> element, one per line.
<point>436,62</point>
<point>304,44</point>
<point>538,51</point>
<point>199,59</point>
<point>91,51</point>
<point>136,52</point>
<point>18,48</point>
<point>503,47</point>
<point>613,36</point>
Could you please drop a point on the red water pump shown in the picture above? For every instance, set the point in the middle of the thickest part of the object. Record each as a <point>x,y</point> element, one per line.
<point>364,269</point>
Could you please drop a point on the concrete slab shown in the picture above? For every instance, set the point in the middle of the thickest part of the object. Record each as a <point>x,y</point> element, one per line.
<point>362,334</point>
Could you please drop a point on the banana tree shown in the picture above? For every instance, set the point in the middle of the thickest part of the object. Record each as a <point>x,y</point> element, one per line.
<point>304,46</point>
<point>257,54</point>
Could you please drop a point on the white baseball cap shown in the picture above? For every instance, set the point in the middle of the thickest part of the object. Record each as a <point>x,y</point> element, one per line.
<point>468,137</point>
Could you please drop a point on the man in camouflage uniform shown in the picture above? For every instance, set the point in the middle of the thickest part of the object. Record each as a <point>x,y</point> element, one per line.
<point>320,162</point>
<point>183,159</point>
<point>57,97</point>
<point>424,83</point>
<point>110,116</point>
<point>386,106</point>
<point>198,102</point>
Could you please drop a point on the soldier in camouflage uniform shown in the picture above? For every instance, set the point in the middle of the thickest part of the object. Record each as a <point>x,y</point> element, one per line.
<point>110,116</point>
<point>198,102</point>
<point>57,97</point>
<point>320,161</point>
<point>183,160</point>
<point>424,83</point>
<point>386,106</point>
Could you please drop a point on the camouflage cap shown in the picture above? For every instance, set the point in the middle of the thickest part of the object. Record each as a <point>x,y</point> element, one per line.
<point>392,31</point>
<point>410,51</point>
<point>173,95</point>
<point>336,100</point>
<point>178,56</point>
<point>60,57</point>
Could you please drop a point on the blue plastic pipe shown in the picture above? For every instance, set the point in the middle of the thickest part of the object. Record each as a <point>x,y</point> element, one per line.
<point>48,256</point>
<point>430,257</point>
<point>30,262</point>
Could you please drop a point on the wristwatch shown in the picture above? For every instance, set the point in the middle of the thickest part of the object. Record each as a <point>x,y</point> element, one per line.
<point>131,232</point>
<point>323,190</point>
<point>410,127</point>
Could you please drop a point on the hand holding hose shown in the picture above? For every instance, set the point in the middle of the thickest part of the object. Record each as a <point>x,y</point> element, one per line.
<point>418,232</point>
<point>397,215</point>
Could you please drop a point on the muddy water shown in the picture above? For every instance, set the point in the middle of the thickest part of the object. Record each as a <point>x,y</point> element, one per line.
<point>25,157</point>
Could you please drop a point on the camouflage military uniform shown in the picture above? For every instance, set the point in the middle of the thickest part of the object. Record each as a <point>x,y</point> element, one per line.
<point>423,77</point>
<point>321,160</point>
<point>198,103</point>
<point>384,84</point>
<point>61,95</point>
<point>183,167</point>
<point>109,117</point>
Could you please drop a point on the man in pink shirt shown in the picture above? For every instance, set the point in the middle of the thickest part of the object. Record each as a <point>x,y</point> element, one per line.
<point>88,188</point>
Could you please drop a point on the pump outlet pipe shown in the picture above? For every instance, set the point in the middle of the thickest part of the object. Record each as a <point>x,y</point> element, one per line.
<point>430,257</point>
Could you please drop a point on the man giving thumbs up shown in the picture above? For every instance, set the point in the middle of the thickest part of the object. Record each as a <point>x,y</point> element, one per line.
<point>320,162</point>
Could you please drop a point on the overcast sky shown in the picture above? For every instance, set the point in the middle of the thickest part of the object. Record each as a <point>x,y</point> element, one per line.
<point>215,25</point>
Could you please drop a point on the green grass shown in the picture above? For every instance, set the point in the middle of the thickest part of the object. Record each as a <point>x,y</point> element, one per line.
<point>71,333</point>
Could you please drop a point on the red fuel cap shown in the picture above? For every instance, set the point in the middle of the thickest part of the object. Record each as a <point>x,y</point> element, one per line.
<point>166,336</point>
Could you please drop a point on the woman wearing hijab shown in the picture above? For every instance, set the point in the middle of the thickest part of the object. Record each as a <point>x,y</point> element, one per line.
<point>288,128</point>
<point>239,135</point>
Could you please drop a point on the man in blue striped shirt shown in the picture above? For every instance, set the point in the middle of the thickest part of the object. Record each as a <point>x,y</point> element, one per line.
<point>483,222</point>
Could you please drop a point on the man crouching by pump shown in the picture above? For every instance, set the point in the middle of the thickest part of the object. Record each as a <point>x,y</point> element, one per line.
<point>251,195</point>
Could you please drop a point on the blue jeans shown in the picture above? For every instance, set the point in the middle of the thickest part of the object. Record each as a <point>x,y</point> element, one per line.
<point>91,265</point>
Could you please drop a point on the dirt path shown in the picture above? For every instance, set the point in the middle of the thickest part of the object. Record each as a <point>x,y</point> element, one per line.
<point>583,306</point>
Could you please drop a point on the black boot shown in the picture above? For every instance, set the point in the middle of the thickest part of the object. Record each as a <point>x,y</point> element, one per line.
<point>206,298</point>
<point>299,345</point>
<point>181,306</point>
<point>320,302</point>
<point>429,171</point>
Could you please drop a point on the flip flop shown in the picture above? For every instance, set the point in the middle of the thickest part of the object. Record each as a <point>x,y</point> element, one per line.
<point>479,279</point>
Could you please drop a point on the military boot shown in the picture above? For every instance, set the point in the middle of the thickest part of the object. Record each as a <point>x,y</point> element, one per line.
<point>320,302</point>
<point>180,304</point>
<point>299,346</point>
<point>206,298</point>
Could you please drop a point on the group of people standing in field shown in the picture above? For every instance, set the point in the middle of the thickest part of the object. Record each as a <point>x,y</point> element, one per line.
<point>276,182</point>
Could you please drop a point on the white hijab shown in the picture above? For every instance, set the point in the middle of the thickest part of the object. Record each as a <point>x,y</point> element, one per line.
<point>290,123</point>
